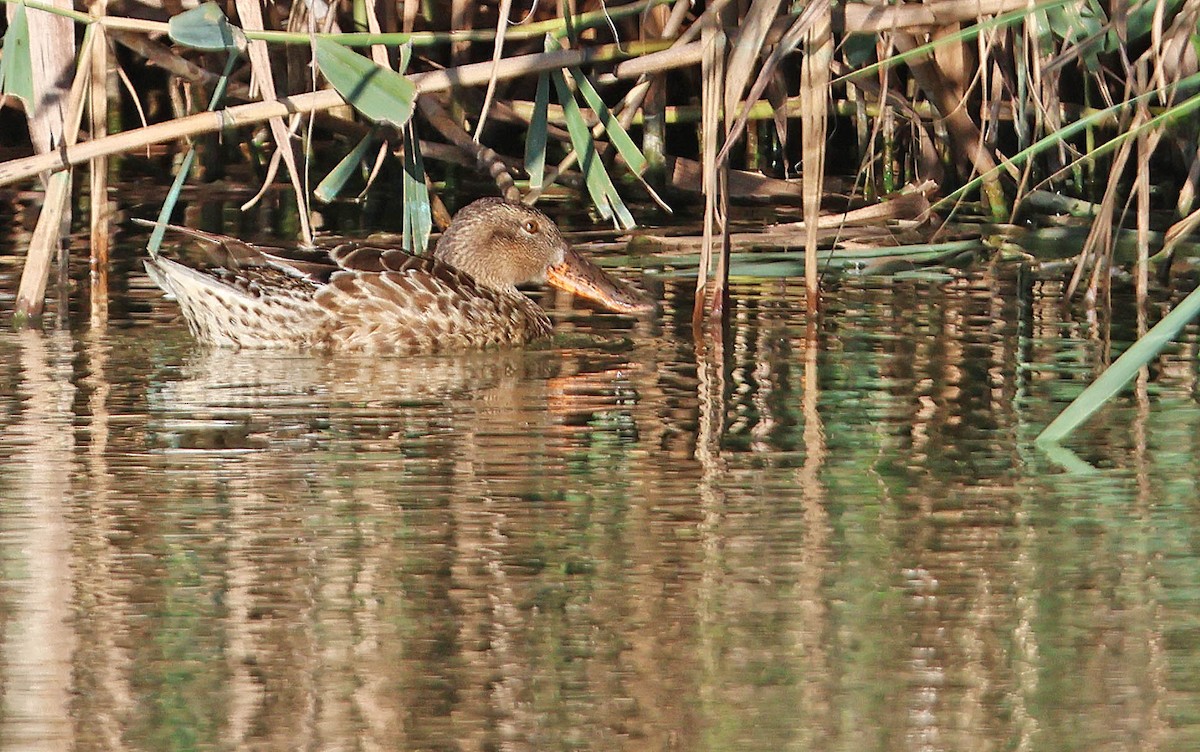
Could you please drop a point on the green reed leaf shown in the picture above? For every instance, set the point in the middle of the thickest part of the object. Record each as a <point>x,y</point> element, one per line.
<point>600,186</point>
<point>206,27</point>
<point>616,132</point>
<point>1121,372</point>
<point>336,180</point>
<point>379,93</point>
<point>168,206</point>
<point>535,138</point>
<point>16,64</point>
<point>418,217</point>
<point>405,56</point>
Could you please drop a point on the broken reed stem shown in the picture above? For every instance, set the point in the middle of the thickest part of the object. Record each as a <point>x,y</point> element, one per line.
<point>47,235</point>
<point>482,156</point>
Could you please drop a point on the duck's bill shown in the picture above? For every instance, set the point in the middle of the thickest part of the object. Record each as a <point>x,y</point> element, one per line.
<point>579,276</point>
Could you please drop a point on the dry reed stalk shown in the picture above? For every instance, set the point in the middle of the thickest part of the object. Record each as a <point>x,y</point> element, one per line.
<point>966,140</point>
<point>1142,188</point>
<point>712,40</point>
<point>47,235</point>
<point>743,59</point>
<point>681,54</point>
<point>1097,247</point>
<point>134,25</point>
<point>99,220</point>
<point>814,88</point>
<point>1162,60</point>
<point>52,52</point>
<point>474,74</point>
<point>870,18</point>
<point>1177,232</point>
<point>162,57</point>
<point>1176,55</point>
<point>184,127</point>
<point>45,241</point>
<point>788,42</point>
<point>264,84</point>
<point>1146,143</point>
<point>497,54</point>
<point>411,9</point>
<point>1187,192</point>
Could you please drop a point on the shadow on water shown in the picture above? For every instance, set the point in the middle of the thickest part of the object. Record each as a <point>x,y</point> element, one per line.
<point>822,537</point>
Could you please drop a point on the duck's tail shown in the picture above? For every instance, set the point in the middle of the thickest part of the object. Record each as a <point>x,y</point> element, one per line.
<point>247,308</point>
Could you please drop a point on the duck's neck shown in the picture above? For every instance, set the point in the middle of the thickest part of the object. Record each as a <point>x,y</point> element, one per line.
<point>476,264</point>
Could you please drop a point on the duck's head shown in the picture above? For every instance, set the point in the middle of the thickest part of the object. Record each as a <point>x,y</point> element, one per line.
<point>503,244</point>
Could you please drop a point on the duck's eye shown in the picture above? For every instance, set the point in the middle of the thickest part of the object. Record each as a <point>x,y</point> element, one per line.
<point>530,226</point>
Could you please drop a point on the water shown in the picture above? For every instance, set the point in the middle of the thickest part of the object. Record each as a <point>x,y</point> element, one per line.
<point>840,538</point>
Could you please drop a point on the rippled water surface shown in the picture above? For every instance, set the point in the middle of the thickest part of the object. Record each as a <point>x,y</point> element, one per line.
<point>838,537</point>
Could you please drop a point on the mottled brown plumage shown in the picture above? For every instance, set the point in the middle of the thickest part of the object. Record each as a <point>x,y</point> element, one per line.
<point>352,297</point>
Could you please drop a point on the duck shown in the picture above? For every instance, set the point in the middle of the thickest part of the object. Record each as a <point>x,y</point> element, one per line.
<point>352,297</point>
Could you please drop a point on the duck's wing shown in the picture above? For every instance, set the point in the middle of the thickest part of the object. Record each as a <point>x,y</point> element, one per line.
<point>235,255</point>
<point>352,257</point>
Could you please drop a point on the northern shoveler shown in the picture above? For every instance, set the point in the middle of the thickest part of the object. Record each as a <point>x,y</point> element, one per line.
<point>463,296</point>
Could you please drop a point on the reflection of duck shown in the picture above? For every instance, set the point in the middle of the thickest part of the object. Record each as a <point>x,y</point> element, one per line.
<point>464,296</point>
<point>234,401</point>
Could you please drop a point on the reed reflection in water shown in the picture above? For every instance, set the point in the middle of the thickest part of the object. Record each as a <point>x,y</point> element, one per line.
<point>817,537</point>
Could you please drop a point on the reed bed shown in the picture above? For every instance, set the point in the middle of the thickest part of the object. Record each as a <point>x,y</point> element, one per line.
<point>937,111</point>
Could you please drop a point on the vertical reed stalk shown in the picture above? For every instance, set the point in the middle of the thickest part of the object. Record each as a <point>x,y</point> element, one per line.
<point>411,9</point>
<point>55,216</point>
<point>1141,186</point>
<point>497,53</point>
<point>462,17</point>
<point>814,91</point>
<point>250,13</point>
<point>712,94</point>
<point>654,104</point>
<point>99,221</point>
